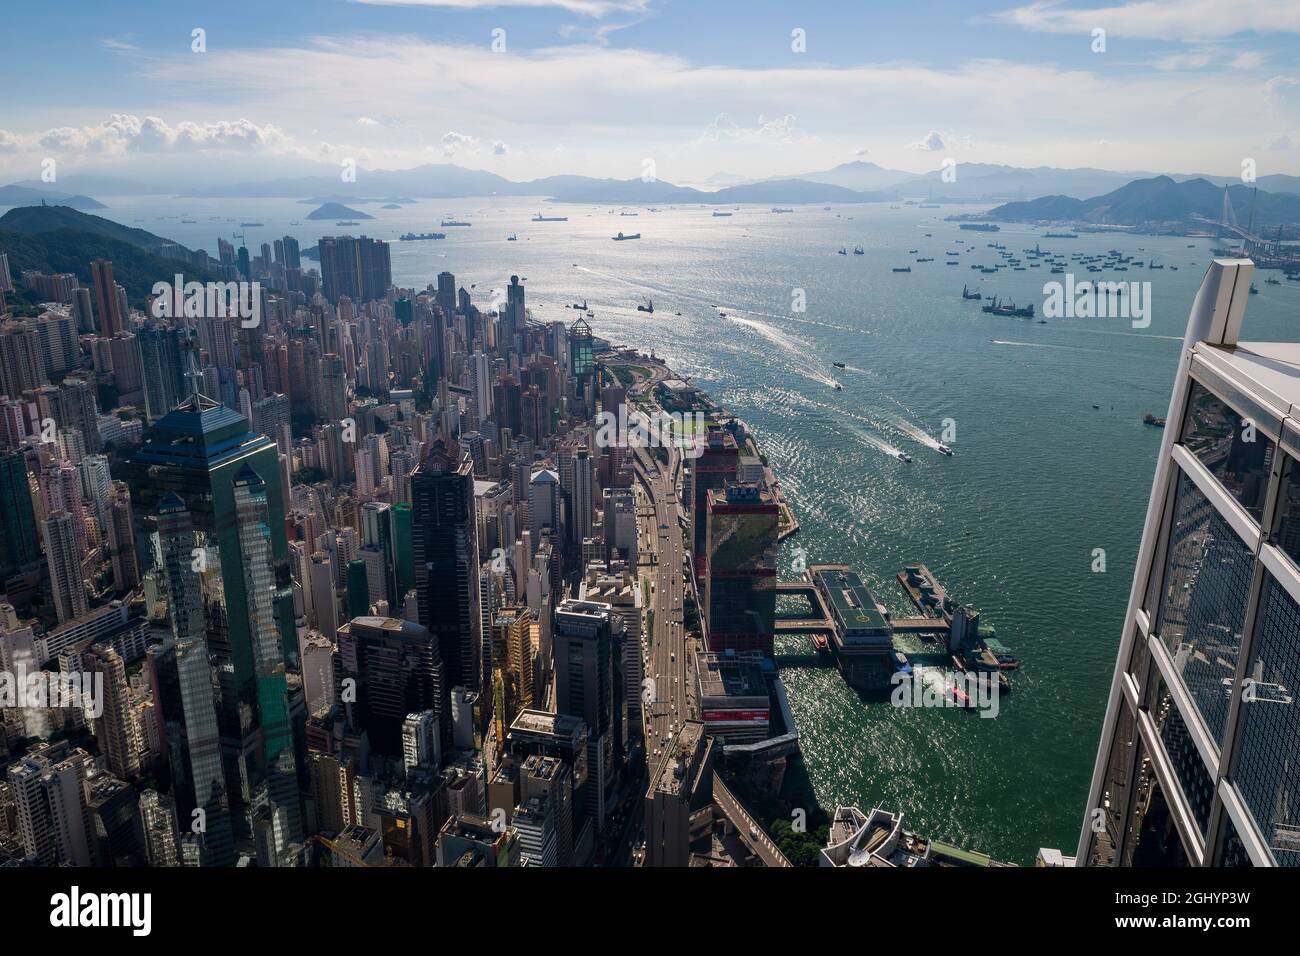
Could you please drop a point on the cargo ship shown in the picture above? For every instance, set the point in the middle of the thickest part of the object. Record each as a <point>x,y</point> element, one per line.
<point>452,222</point>
<point>981,226</point>
<point>540,218</point>
<point>968,294</point>
<point>1008,308</point>
<point>419,236</point>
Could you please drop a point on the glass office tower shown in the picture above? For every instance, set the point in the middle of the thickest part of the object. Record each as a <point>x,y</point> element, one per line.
<point>1199,762</point>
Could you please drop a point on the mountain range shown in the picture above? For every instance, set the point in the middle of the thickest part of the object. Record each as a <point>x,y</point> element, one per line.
<point>1159,199</point>
<point>858,181</point>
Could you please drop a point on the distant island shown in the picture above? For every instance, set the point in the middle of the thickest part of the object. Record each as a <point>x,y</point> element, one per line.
<point>1160,203</point>
<point>16,195</point>
<point>336,210</point>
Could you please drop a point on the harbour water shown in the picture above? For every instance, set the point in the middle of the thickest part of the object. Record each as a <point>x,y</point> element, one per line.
<point>1040,478</point>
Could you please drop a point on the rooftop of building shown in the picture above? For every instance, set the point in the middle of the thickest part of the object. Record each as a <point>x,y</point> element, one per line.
<point>851,600</point>
<point>731,674</point>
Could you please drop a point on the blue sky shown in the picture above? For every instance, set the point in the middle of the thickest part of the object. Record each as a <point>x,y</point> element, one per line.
<point>598,86</point>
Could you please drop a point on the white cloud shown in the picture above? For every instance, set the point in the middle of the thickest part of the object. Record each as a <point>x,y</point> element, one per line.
<point>452,141</point>
<point>498,148</point>
<point>1186,20</point>
<point>122,133</point>
<point>591,8</point>
<point>367,121</point>
<point>931,142</point>
<point>782,130</point>
<point>621,104</point>
<point>861,152</point>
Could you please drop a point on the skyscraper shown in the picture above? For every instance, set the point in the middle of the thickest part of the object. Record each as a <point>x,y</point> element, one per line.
<point>19,539</point>
<point>740,578</point>
<point>444,537</point>
<point>204,780</point>
<point>107,305</point>
<point>399,671</point>
<point>252,516</point>
<point>63,558</point>
<point>588,643</point>
<point>202,451</point>
<point>358,268</point>
<point>1197,765</point>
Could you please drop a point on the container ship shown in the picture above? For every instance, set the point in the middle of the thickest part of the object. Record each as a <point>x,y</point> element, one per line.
<point>453,222</point>
<point>418,236</point>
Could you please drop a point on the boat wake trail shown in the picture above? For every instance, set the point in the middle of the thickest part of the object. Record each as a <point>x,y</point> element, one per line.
<point>875,441</point>
<point>796,349</point>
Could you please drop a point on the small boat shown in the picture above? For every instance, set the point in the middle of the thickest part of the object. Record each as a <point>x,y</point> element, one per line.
<point>944,450</point>
<point>623,238</point>
<point>857,251</point>
<point>901,269</point>
<point>648,307</point>
<point>1095,405</point>
<point>901,664</point>
<point>511,238</point>
<point>1149,419</point>
<point>960,696</point>
<point>838,387</point>
<point>838,364</point>
<point>904,457</point>
<point>844,252</point>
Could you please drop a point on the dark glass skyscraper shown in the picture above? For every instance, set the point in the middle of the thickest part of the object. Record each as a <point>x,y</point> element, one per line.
<point>444,541</point>
<point>205,454</point>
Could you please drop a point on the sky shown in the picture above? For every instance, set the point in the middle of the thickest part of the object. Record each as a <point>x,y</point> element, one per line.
<point>710,92</point>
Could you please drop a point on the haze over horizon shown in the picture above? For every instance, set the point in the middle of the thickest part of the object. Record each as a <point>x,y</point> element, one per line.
<point>600,87</point>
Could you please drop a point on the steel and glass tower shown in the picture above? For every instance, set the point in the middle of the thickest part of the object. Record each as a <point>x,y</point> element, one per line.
<point>201,451</point>
<point>180,561</point>
<point>1199,762</point>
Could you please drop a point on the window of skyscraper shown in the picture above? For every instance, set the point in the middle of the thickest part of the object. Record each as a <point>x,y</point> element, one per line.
<point>1287,535</point>
<point>1203,601</point>
<point>1116,790</point>
<point>1189,768</point>
<point>1234,853</point>
<point>1267,766</point>
<point>1233,449</point>
<point>1153,839</point>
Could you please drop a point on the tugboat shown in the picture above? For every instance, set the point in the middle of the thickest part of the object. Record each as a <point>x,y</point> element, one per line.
<point>1149,419</point>
<point>944,450</point>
